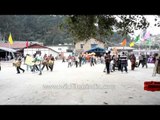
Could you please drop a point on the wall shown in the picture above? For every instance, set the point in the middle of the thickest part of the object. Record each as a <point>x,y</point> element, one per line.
<point>63,48</point>
<point>87,45</point>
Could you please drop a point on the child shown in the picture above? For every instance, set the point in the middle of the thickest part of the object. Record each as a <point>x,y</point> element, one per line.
<point>70,62</point>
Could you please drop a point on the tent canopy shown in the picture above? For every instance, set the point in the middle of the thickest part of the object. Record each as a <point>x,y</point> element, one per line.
<point>96,50</point>
<point>6,52</point>
<point>7,49</point>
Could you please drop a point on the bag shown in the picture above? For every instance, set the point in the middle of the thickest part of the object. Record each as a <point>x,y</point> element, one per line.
<point>17,63</point>
<point>38,62</point>
<point>51,62</point>
<point>44,62</point>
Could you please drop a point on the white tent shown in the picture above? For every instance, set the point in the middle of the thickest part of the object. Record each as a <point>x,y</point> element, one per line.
<point>8,49</point>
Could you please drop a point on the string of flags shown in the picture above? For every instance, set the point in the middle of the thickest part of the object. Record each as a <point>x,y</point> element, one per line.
<point>145,38</point>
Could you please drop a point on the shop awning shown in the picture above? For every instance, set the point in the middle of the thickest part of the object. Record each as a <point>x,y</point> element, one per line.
<point>7,49</point>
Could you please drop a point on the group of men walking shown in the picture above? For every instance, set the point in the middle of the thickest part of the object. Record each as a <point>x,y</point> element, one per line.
<point>111,62</point>
<point>38,63</point>
<point>35,63</point>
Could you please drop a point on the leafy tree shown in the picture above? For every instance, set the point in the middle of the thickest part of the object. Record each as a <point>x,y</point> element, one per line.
<point>48,28</point>
<point>102,26</point>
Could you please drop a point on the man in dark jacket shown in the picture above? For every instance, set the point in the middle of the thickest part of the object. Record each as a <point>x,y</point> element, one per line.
<point>145,60</point>
<point>0,65</point>
<point>133,61</point>
<point>123,59</point>
<point>107,61</point>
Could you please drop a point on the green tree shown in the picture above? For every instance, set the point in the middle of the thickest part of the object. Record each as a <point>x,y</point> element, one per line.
<point>43,28</point>
<point>102,26</point>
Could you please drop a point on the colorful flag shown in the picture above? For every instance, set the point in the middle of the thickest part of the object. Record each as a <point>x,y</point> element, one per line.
<point>137,38</point>
<point>131,44</point>
<point>124,42</point>
<point>148,42</point>
<point>142,39</point>
<point>27,43</point>
<point>147,35</point>
<point>10,39</point>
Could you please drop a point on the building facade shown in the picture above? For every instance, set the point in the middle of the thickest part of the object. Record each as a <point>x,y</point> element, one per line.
<point>17,45</point>
<point>63,50</point>
<point>32,49</point>
<point>83,46</point>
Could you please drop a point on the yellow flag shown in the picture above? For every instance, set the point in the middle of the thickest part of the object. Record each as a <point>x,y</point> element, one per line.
<point>131,44</point>
<point>10,39</point>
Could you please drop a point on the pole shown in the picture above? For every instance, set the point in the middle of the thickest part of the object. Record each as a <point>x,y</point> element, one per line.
<point>140,48</point>
<point>9,52</point>
<point>159,47</point>
<point>149,48</point>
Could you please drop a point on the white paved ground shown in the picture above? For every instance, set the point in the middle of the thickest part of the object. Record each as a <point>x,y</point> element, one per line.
<point>77,86</point>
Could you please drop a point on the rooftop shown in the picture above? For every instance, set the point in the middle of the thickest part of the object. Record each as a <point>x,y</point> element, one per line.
<point>16,44</point>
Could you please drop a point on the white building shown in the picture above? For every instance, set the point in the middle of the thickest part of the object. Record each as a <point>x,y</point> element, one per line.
<point>63,50</point>
<point>32,49</point>
<point>59,48</point>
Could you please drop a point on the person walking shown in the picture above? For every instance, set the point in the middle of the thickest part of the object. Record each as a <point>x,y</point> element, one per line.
<point>133,61</point>
<point>51,62</point>
<point>140,60</point>
<point>123,59</point>
<point>76,61</point>
<point>39,62</point>
<point>17,64</point>
<point>0,64</point>
<point>145,60</point>
<point>80,60</point>
<point>35,67</point>
<point>92,61</point>
<point>156,69</point>
<point>69,61</point>
<point>45,62</point>
<point>107,62</point>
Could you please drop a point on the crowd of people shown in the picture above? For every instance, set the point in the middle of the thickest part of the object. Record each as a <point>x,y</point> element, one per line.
<point>35,63</point>
<point>121,62</point>
<point>112,62</point>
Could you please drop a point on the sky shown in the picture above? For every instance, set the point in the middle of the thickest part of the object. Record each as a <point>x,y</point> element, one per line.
<point>152,29</point>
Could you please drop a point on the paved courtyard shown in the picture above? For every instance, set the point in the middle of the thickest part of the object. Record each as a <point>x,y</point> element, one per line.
<point>84,85</point>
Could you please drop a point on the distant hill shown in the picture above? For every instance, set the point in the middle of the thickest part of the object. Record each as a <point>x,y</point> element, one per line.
<point>42,28</point>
